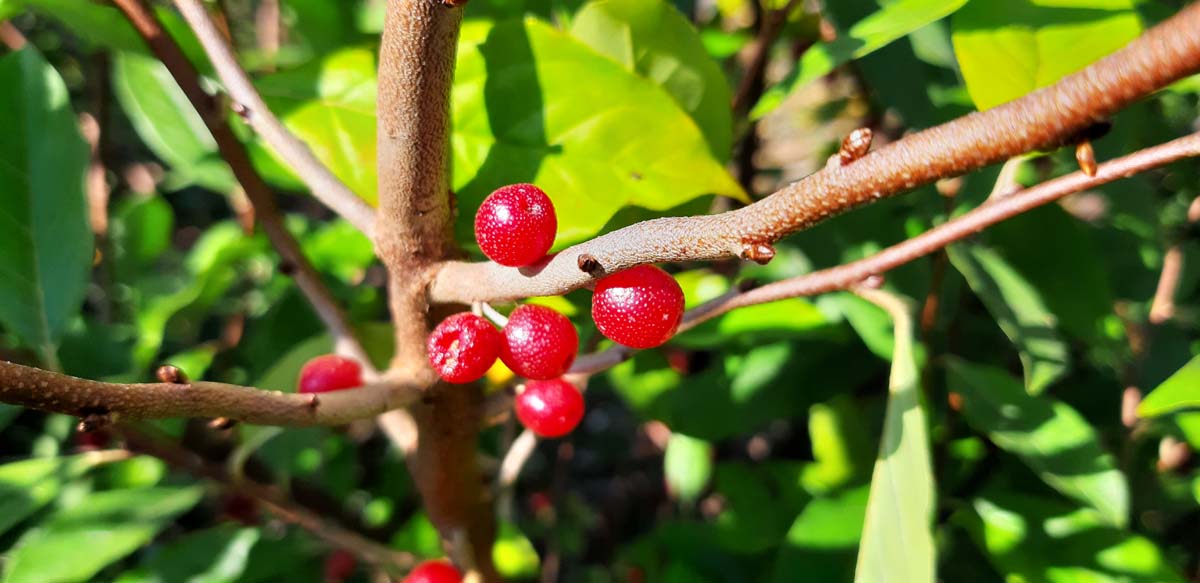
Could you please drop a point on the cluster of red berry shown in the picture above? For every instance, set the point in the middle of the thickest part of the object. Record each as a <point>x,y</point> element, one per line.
<point>640,307</point>
<point>515,226</point>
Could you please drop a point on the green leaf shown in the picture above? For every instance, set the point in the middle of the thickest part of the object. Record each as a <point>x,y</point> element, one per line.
<point>532,104</point>
<point>27,486</point>
<point>750,521</point>
<point>687,466</point>
<point>1180,391</point>
<point>1053,439</point>
<point>107,525</point>
<point>284,373</point>
<point>756,325</point>
<point>822,540</point>
<point>330,105</point>
<point>1019,310</point>
<point>1008,48</point>
<point>45,240</point>
<point>890,23</point>
<point>513,553</point>
<point>840,449</point>
<point>897,539</point>
<point>652,39</point>
<point>167,123</point>
<point>104,26</point>
<point>1031,539</point>
<point>216,555</point>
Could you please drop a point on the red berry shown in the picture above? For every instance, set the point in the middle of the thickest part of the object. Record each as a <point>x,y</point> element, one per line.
<point>550,408</point>
<point>463,347</point>
<point>639,307</point>
<point>330,372</point>
<point>515,225</point>
<point>434,572</point>
<point>339,566</point>
<point>539,343</point>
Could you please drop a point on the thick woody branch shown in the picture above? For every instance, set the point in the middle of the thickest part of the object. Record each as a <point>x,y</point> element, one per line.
<point>326,187</point>
<point>852,274</point>
<point>260,195</point>
<point>1044,119</point>
<point>414,231</point>
<point>58,393</point>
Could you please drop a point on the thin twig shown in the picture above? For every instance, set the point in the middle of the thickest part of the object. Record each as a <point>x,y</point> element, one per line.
<point>326,187</point>
<point>48,391</point>
<point>1040,120</point>
<point>768,32</point>
<point>11,37</point>
<point>274,500</point>
<point>260,195</point>
<point>1162,308</point>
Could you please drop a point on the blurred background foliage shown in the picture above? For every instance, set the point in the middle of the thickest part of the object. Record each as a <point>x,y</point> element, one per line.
<point>744,450</point>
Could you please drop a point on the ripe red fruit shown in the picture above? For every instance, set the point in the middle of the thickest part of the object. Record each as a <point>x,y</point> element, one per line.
<point>539,343</point>
<point>550,408</point>
<point>640,307</point>
<point>463,347</point>
<point>434,572</point>
<point>339,566</point>
<point>329,372</point>
<point>515,225</point>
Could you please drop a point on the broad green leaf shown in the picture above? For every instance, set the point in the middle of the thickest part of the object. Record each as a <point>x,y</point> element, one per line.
<point>330,105</point>
<point>1007,48</point>
<point>102,25</point>
<point>532,104</point>
<point>687,466</point>
<point>217,555</point>
<point>822,540</point>
<point>652,39</point>
<point>750,521</point>
<point>756,325</point>
<point>897,540</point>
<point>1053,439</point>
<point>840,448</point>
<point>1181,391</point>
<point>513,553</point>
<point>1019,310</point>
<point>45,240</point>
<point>1031,539</point>
<point>890,23</point>
<point>105,526</point>
<point>168,123</point>
<point>27,486</point>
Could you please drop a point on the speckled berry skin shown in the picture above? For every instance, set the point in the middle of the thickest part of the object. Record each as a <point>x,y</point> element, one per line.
<point>433,572</point>
<point>515,225</point>
<point>329,372</point>
<point>539,343</point>
<point>463,347</point>
<point>640,307</point>
<point>550,408</point>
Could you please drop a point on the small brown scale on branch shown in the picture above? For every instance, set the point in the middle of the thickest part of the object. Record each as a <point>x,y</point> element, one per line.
<point>855,145</point>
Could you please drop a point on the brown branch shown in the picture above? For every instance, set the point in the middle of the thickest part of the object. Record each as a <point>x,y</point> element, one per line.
<point>1043,119</point>
<point>1162,308</point>
<point>414,231</point>
<point>260,195</point>
<point>852,274</point>
<point>326,187</point>
<point>273,499</point>
<point>48,391</point>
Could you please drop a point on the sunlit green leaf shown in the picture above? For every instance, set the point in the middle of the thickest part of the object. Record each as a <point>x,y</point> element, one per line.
<point>651,38</point>
<point>513,554</point>
<point>1053,439</point>
<point>839,444</point>
<point>45,240</point>
<point>532,104</point>
<point>1019,310</point>
<point>1007,48</point>
<point>822,540</point>
<point>893,21</point>
<point>1181,391</point>
<point>1031,539</point>
<point>217,555</point>
<point>897,540</point>
<point>687,466</point>
<point>109,525</point>
<point>167,122</point>
<point>27,486</point>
